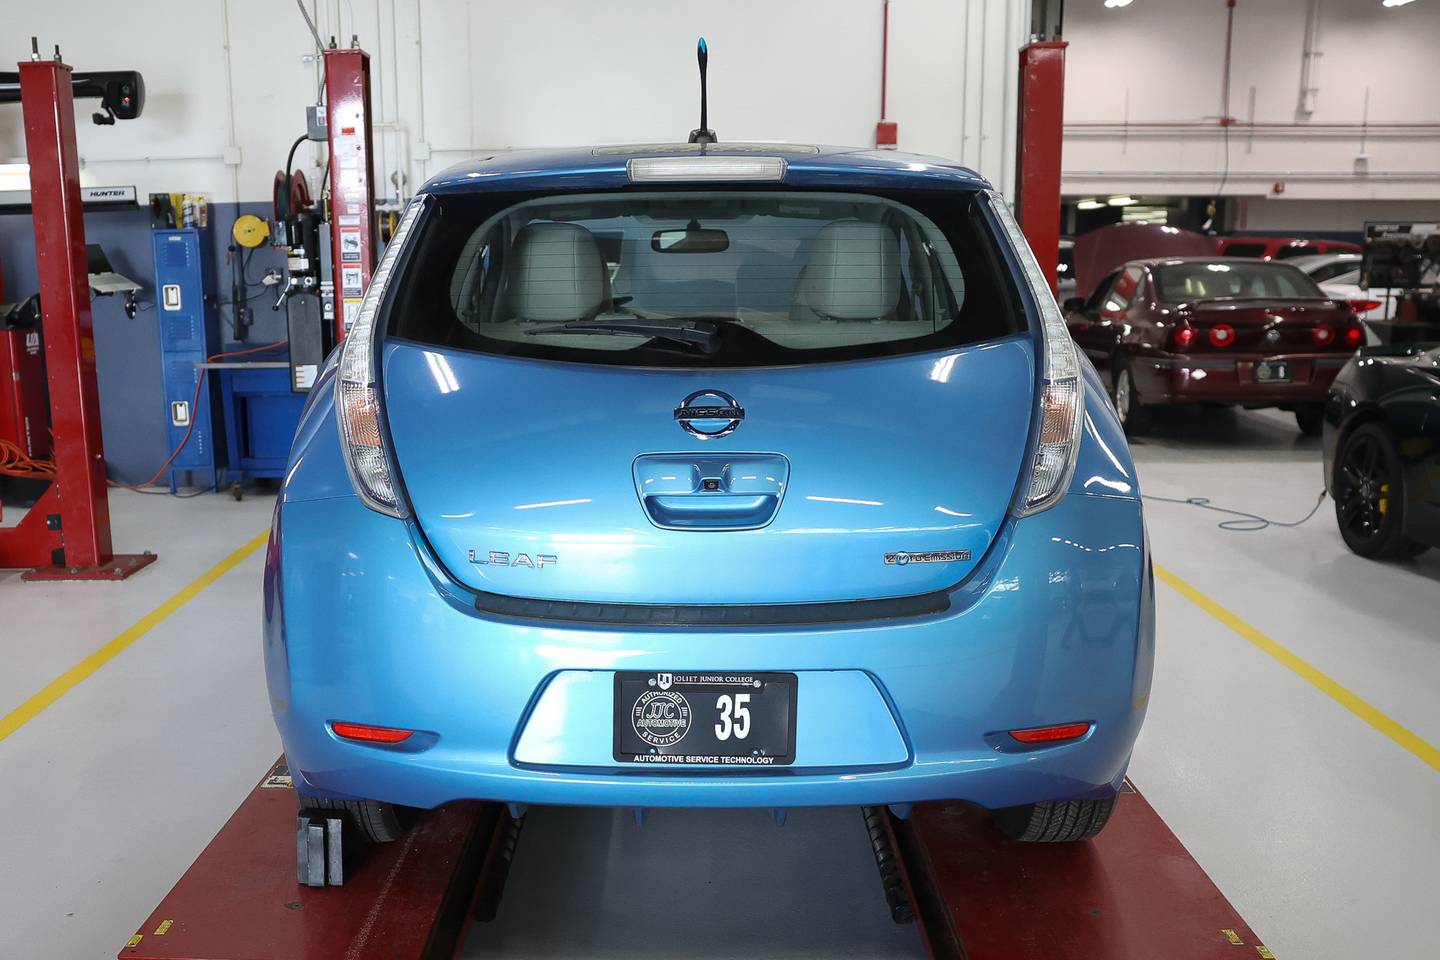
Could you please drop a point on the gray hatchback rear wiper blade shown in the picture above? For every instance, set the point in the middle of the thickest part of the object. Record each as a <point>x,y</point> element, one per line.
<point>702,334</point>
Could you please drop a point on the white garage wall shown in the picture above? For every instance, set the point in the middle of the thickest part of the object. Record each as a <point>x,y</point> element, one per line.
<point>1143,99</point>
<point>457,77</point>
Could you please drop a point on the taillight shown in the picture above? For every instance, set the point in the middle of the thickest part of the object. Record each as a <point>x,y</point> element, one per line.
<point>1323,334</point>
<point>1364,306</point>
<point>357,401</point>
<point>1062,397</point>
<point>368,734</point>
<point>1222,335</point>
<point>1064,731</point>
<point>1353,336</point>
<point>1183,337</point>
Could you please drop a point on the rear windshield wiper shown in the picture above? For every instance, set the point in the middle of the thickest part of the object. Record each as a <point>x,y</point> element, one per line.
<point>701,334</point>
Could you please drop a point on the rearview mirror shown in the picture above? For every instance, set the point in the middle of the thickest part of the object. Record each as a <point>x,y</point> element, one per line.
<point>693,239</point>
<point>1073,304</point>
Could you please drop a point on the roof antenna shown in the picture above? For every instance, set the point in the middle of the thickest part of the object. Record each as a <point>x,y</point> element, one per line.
<point>704,135</point>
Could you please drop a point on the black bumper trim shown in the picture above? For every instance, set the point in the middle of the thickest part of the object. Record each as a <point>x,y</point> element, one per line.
<point>713,615</point>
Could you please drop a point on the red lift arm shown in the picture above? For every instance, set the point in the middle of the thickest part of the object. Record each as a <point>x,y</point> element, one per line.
<point>66,534</point>
<point>353,242</point>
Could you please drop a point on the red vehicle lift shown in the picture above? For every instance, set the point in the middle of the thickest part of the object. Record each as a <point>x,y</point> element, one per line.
<point>1132,893</point>
<point>353,243</point>
<point>66,534</point>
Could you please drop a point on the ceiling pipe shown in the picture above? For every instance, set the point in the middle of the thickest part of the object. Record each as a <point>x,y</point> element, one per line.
<point>887,131</point>
<point>1225,118</point>
<point>1308,88</point>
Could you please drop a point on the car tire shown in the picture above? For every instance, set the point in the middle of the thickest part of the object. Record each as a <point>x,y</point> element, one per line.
<point>1054,821</point>
<point>1134,416</point>
<point>375,821</point>
<point>1310,417</point>
<point>1370,495</point>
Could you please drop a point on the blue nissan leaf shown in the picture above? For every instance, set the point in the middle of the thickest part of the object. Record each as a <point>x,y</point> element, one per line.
<point>710,475</point>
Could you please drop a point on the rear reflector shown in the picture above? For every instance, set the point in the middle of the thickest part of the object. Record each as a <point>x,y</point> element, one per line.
<point>670,169</point>
<point>368,734</point>
<point>1065,731</point>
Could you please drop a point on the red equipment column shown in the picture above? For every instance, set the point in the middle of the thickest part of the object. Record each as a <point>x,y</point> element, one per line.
<point>1041,130</point>
<point>66,534</point>
<point>353,240</point>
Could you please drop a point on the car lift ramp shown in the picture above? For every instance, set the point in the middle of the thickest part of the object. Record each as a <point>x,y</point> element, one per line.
<point>408,900</point>
<point>1132,893</point>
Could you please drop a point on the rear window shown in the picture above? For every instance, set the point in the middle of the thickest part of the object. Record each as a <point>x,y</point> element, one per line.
<point>1179,282</point>
<point>711,278</point>
<point>1329,271</point>
<point>1296,250</point>
<point>1245,249</point>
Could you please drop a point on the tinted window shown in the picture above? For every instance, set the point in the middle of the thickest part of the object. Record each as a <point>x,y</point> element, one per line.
<point>1216,280</point>
<point>773,277</point>
<point>1298,250</point>
<point>1244,249</point>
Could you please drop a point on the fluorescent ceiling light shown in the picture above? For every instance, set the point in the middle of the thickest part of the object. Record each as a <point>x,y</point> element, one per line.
<point>1089,205</point>
<point>1120,201</point>
<point>1387,3</point>
<point>1116,4</point>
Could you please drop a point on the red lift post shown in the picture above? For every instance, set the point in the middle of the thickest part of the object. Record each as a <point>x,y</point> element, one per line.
<point>353,241</point>
<point>1040,132</point>
<point>66,534</point>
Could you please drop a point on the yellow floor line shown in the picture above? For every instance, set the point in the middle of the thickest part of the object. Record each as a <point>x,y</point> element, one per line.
<point>67,681</point>
<point>1377,718</point>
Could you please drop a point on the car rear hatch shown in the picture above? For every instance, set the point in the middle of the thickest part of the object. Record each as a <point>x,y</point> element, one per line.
<point>874,478</point>
<point>1270,326</point>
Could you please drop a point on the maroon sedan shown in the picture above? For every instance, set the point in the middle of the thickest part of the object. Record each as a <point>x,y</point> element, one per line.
<point>1211,330</point>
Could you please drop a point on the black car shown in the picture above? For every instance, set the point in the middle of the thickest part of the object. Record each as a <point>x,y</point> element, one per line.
<point>1382,450</point>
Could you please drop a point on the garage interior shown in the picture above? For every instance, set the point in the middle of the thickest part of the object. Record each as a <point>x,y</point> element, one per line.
<point>1292,741</point>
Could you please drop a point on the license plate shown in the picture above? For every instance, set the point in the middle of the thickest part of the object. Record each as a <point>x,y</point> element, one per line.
<point>1272,371</point>
<point>732,719</point>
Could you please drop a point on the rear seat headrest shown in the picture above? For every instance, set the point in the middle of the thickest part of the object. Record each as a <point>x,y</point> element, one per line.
<point>557,273</point>
<point>853,272</point>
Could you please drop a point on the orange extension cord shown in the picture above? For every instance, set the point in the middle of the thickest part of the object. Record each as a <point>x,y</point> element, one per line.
<point>14,462</point>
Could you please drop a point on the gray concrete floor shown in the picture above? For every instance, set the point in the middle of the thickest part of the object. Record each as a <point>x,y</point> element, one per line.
<point>1319,828</point>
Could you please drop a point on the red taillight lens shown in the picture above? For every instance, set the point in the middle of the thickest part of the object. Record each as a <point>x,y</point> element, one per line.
<point>1222,335</point>
<point>1184,337</point>
<point>1065,731</point>
<point>369,734</point>
<point>1323,334</point>
<point>1361,306</point>
<point>1354,336</point>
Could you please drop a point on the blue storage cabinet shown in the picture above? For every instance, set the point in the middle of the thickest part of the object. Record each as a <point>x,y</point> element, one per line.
<point>261,416</point>
<point>189,328</point>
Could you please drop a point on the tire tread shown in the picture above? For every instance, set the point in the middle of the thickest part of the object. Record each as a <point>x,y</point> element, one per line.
<point>1056,821</point>
<point>377,822</point>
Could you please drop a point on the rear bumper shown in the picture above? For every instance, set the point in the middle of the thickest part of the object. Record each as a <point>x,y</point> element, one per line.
<point>1179,378</point>
<point>1056,625</point>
